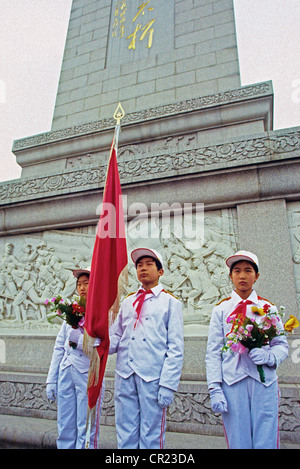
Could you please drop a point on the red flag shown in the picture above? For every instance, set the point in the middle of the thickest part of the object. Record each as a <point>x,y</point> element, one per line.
<point>108,271</point>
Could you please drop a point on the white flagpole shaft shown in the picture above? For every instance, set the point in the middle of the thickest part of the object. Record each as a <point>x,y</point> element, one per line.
<point>116,137</point>
<point>88,432</point>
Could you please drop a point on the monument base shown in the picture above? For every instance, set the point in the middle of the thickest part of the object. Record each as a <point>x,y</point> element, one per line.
<point>23,377</point>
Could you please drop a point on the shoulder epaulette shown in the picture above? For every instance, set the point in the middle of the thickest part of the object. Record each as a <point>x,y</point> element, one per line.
<point>171,294</point>
<point>265,299</point>
<point>129,294</point>
<point>224,299</point>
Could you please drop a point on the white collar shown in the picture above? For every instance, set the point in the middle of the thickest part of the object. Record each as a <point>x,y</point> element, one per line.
<point>237,299</point>
<point>155,290</point>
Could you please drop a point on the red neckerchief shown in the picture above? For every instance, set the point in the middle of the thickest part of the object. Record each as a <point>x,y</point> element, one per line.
<point>140,301</point>
<point>239,313</point>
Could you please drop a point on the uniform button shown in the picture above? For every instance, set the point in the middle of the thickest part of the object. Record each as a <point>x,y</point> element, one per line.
<point>131,359</point>
<point>144,340</point>
<point>132,338</point>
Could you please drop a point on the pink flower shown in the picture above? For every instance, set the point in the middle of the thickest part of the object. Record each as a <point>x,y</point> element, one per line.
<point>238,348</point>
<point>81,322</point>
<point>249,327</point>
<point>46,302</point>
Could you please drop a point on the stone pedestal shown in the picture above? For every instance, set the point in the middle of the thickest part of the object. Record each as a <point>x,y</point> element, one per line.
<point>22,388</point>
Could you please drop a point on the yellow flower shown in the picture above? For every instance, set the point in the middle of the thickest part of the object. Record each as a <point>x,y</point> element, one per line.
<point>291,324</point>
<point>257,310</point>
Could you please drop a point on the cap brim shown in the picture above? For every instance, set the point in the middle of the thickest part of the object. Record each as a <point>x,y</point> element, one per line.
<point>79,272</point>
<point>144,252</point>
<point>231,260</point>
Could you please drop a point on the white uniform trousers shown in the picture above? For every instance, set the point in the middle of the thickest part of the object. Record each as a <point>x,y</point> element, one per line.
<point>252,418</point>
<point>72,405</point>
<point>140,422</point>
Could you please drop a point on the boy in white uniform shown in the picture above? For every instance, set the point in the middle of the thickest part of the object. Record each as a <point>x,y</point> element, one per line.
<point>148,339</point>
<point>67,382</point>
<point>249,407</point>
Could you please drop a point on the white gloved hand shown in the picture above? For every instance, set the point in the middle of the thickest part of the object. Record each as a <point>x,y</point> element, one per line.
<point>217,398</point>
<point>260,356</point>
<point>165,397</point>
<point>97,342</point>
<point>51,391</point>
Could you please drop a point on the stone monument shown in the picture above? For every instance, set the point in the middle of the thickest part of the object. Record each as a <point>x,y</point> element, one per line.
<point>192,138</point>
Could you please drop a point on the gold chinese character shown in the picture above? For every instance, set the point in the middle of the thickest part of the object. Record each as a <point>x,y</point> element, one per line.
<point>133,35</point>
<point>147,30</point>
<point>140,10</point>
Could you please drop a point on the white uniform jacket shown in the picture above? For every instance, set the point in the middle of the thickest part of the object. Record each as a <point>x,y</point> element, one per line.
<point>233,367</point>
<point>64,355</point>
<point>154,348</point>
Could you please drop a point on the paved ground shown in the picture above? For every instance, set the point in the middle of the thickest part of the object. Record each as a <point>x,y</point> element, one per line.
<point>30,433</point>
<point>23,432</point>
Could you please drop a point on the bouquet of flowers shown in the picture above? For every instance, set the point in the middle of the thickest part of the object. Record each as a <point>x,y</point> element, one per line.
<point>249,334</point>
<point>72,312</point>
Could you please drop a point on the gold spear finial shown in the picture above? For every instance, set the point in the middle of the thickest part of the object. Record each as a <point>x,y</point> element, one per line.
<point>119,113</point>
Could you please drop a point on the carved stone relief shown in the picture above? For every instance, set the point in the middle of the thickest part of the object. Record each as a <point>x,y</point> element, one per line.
<point>293,211</point>
<point>35,268</point>
<point>149,161</point>
<point>194,269</point>
<point>190,409</point>
<point>230,96</point>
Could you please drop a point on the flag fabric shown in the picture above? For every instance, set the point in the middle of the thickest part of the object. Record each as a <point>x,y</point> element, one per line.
<point>108,274</point>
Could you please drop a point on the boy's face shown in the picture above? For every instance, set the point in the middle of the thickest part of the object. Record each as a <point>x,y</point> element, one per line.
<point>243,277</point>
<point>148,273</point>
<point>83,285</point>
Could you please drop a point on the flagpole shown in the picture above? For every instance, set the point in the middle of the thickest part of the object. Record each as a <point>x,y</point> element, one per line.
<point>118,116</point>
<point>88,346</point>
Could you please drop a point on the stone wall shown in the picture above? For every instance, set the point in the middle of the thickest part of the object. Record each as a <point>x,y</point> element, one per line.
<point>193,53</point>
<point>249,186</point>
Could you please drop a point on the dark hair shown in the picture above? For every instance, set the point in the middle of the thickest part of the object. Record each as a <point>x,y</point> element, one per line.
<point>157,262</point>
<point>249,262</point>
<point>83,273</point>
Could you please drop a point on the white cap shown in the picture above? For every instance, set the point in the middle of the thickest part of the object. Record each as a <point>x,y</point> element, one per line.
<point>242,256</point>
<point>146,252</point>
<point>79,272</point>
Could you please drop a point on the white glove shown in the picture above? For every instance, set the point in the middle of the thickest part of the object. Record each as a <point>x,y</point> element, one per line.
<point>217,398</point>
<point>260,356</point>
<point>51,391</point>
<point>97,342</point>
<point>165,397</point>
